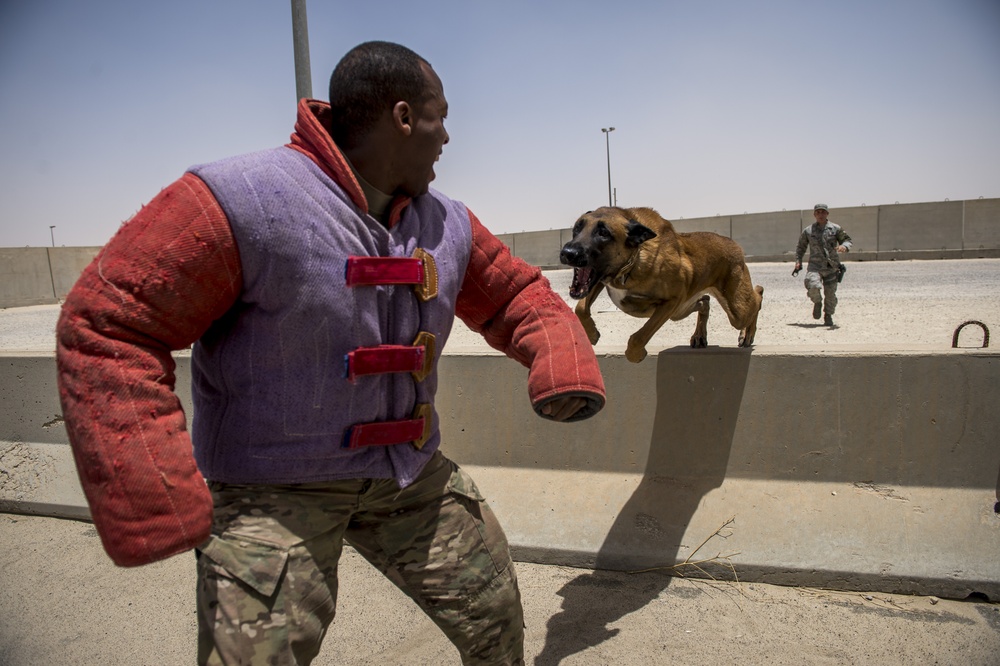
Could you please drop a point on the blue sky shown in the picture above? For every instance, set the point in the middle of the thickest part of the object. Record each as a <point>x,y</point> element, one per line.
<point>720,107</point>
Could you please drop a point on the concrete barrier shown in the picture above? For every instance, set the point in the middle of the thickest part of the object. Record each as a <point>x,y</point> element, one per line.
<point>860,469</point>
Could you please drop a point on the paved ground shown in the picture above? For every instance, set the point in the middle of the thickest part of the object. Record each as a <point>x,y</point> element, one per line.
<point>63,602</point>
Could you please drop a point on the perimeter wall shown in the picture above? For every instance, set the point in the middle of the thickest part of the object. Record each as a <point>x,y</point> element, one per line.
<point>937,230</point>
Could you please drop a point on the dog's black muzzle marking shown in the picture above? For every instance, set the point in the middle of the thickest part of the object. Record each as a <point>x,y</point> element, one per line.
<point>573,255</point>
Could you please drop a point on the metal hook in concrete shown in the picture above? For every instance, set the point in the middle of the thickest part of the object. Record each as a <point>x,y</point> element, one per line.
<point>986,332</point>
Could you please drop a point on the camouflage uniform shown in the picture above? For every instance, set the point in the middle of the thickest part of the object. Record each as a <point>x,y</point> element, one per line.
<point>268,573</point>
<point>824,262</point>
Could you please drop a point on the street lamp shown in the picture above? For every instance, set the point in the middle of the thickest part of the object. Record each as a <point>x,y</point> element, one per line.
<point>607,144</point>
<point>300,48</point>
<point>52,234</point>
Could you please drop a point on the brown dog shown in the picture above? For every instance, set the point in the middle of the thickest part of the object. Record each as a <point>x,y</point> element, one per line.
<point>656,273</point>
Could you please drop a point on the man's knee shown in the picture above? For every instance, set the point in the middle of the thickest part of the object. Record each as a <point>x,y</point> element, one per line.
<point>488,627</point>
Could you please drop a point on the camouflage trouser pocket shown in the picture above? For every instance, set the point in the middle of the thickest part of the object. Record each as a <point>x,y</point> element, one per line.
<point>464,490</point>
<point>259,565</point>
<point>265,593</point>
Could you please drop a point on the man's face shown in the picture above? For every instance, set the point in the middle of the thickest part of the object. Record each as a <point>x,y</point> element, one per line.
<point>821,216</point>
<point>426,140</point>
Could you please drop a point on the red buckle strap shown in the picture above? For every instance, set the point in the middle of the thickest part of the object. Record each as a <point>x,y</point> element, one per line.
<point>383,359</point>
<point>386,433</point>
<point>384,270</point>
<point>420,270</point>
<point>417,359</point>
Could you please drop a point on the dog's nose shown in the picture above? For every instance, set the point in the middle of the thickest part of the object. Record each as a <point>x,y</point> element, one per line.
<point>571,256</point>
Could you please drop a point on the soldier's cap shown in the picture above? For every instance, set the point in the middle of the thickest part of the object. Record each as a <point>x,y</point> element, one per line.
<point>821,207</point>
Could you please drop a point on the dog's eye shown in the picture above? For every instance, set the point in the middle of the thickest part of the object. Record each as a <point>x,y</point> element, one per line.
<point>602,231</point>
<point>578,227</point>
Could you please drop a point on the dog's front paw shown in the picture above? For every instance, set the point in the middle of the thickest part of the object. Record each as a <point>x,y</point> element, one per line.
<point>746,339</point>
<point>635,353</point>
<point>699,341</point>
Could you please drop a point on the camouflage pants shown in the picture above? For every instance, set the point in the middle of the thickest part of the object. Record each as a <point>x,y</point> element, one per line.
<point>825,280</point>
<point>267,578</point>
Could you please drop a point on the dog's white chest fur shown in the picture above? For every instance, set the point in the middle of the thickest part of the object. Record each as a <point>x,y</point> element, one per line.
<point>616,295</point>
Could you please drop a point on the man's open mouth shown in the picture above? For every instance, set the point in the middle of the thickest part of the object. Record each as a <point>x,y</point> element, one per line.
<point>583,280</point>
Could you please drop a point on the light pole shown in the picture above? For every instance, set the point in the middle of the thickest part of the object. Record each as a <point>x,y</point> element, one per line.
<point>52,234</point>
<point>607,144</point>
<point>300,48</point>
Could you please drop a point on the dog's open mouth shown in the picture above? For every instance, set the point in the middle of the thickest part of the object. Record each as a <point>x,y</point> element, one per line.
<point>583,279</point>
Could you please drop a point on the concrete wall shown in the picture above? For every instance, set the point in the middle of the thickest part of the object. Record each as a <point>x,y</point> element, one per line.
<point>67,265</point>
<point>981,225</point>
<point>861,223</point>
<point>25,277</point>
<point>923,226</point>
<point>40,275</point>
<point>538,248</point>
<point>756,232</point>
<point>864,469</point>
<point>938,230</point>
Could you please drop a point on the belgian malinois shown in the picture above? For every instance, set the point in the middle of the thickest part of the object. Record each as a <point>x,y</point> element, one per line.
<point>656,273</point>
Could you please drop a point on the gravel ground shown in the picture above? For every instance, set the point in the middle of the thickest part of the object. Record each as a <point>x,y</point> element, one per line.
<point>902,304</point>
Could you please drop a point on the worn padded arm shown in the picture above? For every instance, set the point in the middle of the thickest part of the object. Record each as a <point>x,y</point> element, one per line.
<point>512,305</point>
<point>155,287</point>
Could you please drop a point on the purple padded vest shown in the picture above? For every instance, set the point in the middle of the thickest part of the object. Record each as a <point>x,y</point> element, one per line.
<point>272,399</point>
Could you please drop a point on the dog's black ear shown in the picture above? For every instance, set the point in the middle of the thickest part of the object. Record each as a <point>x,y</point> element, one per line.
<point>637,233</point>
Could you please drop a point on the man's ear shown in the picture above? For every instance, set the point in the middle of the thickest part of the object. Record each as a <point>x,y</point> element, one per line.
<point>402,117</point>
<point>637,233</point>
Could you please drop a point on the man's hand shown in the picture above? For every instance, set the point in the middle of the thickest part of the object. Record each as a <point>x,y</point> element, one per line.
<point>561,409</point>
<point>841,249</point>
<point>798,267</point>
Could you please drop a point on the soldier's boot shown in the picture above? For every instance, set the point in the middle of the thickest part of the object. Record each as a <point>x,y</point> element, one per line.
<point>828,320</point>
<point>817,310</point>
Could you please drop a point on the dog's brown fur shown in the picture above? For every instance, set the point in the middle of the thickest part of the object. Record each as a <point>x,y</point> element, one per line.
<point>656,273</point>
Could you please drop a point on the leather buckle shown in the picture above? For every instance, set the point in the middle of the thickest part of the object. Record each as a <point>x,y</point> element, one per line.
<point>428,287</point>
<point>423,412</point>
<point>429,344</point>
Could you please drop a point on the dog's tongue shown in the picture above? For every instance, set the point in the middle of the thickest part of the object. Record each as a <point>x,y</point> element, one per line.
<point>581,283</point>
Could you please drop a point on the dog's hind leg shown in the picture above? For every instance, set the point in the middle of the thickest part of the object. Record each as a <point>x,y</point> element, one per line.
<point>747,334</point>
<point>700,338</point>
<point>741,300</point>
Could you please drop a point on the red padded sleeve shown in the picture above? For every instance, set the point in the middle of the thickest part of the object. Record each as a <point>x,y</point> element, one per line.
<point>155,287</point>
<point>512,305</point>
